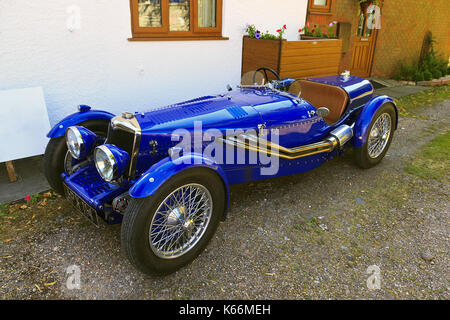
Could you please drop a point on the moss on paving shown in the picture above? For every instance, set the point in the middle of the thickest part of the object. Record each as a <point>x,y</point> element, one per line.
<point>433,162</point>
<point>409,106</point>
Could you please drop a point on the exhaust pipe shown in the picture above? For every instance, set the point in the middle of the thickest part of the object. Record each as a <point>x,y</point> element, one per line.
<point>341,135</point>
<point>337,138</point>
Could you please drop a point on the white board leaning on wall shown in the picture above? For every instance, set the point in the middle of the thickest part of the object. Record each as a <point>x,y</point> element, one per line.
<point>24,123</point>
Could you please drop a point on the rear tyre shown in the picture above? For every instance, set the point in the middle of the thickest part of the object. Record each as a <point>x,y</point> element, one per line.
<point>168,230</point>
<point>380,135</point>
<point>56,152</point>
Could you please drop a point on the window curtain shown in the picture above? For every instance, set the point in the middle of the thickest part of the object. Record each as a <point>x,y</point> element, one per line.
<point>207,13</point>
<point>320,2</point>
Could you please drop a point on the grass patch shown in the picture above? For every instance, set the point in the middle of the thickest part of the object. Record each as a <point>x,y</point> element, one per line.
<point>312,224</point>
<point>433,162</point>
<point>409,105</point>
<point>3,210</point>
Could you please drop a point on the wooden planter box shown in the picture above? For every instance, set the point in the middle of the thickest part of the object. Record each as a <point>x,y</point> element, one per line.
<point>293,59</point>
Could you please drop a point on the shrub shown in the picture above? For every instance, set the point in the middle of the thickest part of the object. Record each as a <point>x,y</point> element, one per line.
<point>427,75</point>
<point>432,66</point>
<point>443,68</point>
<point>402,73</point>
<point>397,76</point>
<point>437,74</point>
<point>419,76</point>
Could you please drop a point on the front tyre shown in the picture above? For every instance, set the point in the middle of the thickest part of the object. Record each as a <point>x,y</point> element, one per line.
<point>168,230</point>
<point>380,134</point>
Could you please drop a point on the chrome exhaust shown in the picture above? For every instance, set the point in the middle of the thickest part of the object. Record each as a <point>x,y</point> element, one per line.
<point>341,135</point>
<point>337,138</point>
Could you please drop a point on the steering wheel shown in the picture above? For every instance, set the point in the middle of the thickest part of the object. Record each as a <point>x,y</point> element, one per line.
<point>265,69</point>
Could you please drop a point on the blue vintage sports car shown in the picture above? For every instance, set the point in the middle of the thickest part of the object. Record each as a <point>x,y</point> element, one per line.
<point>165,174</point>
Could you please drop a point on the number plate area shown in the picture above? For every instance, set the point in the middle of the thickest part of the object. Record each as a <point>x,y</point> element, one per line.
<point>82,207</point>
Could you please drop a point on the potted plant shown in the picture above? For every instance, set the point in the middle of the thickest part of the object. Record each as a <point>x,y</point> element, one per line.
<point>331,30</point>
<point>254,33</point>
<point>311,32</point>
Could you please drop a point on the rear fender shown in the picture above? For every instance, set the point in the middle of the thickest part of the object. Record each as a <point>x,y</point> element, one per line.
<point>365,117</point>
<point>162,171</point>
<point>85,114</point>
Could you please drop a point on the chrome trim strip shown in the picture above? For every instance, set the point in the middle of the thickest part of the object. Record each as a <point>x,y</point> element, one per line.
<point>337,137</point>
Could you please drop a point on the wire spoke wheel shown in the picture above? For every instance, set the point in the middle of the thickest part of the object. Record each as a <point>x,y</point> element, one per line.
<point>379,135</point>
<point>180,221</point>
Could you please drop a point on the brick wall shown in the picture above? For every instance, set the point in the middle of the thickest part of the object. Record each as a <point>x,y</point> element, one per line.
<point>404,24</point>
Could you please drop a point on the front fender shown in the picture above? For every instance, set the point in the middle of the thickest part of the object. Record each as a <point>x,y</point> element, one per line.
<point>365,117</point>
<point>162,171</point>
<point>59,130</point>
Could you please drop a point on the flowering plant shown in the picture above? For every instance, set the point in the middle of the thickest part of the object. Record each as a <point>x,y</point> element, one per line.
<point>251,30</point>
<point>256,34</point>
<point>331,29</point>
<point>281,32</point>
<point>307,30</point>
<point>316,31</point>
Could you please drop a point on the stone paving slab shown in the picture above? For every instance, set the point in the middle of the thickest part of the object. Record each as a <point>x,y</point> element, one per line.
<point>398,92</point>
<point>31,180</point>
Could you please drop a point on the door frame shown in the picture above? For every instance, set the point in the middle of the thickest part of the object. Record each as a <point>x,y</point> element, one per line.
<point>371,54</point>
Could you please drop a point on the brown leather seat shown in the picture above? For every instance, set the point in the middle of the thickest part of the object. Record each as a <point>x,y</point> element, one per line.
<point>324,95</point>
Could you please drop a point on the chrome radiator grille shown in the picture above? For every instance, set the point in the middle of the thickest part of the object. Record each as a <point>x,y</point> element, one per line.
<point>125,133</point>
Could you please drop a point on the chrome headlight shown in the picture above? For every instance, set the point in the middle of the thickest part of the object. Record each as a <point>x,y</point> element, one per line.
<point>80,141</point>
<point>111,162</point>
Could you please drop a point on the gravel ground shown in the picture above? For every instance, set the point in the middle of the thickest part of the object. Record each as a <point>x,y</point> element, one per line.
<point>308,236</point>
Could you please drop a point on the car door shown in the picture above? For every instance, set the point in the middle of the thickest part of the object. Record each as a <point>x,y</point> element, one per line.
<point>289,125</point>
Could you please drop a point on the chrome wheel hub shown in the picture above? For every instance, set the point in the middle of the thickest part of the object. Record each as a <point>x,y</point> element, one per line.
<point>180,221</point>
<point>379,135</point>
<point>175,216</point>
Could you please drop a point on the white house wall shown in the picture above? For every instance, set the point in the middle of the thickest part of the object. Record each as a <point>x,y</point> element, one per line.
<point>98,66</point>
